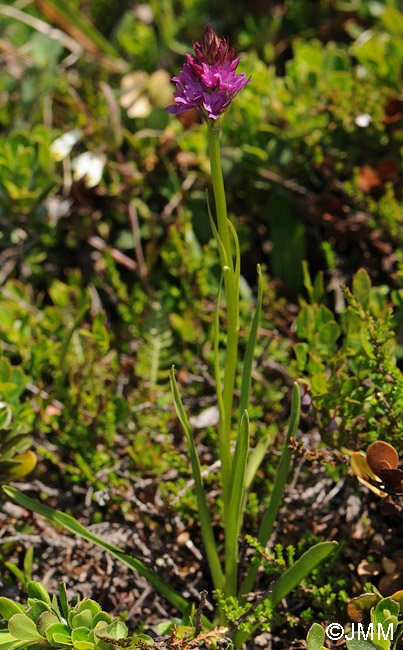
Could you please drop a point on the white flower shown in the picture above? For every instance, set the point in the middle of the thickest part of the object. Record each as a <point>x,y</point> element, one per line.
<point>90,167</point>
<point>363,120</point>
<point>62,146</point>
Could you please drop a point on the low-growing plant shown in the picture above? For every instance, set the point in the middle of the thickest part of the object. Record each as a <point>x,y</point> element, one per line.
<point>349,362</point>
<point>54,622</point>
<point>16,421</point>
<point>382,631</point>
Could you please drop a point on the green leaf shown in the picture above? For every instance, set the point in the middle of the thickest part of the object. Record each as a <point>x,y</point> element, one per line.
<point>204,515</point>
<point>6,415</point>
<point>361,644</point>
<point>64,603</point>
<point>60,629</point>
<point>232,520</point>
<point>306,322</point>
<point>15,570</point>
<point>319,289</point>
<point>38,591</point>
<point>101,617</point>
<point>301,352</point>
<point>22,628</point>
<point>326,337</point>
<point>270,515</point>
<point>358,607</point>
<point>61,639</point>
<point>392,19</point>
<point>385,608</point>
<point>36,610</point>
<point>290,579</point>
<point>66,521</point>
<point>84,645</point>
<point>116,630</point>
<point>28,560</point>
<point>319,383</point>
<point>255,459</point>
<point>79,634</point>
<point>300,569</point>
<point>362,287</point>
<point>8,608</point>
<point>45,621</point>
<point>90,605</point>
<point>250,352</point>
<point>315,637</point>
<point>8,642</point>
<point>307,280</point>
<point>82,619</point>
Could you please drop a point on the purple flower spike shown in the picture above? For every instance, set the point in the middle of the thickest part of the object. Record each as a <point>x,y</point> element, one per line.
<point>208,81</point>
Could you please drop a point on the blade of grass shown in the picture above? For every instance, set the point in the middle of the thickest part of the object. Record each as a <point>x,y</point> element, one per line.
<point>233,511</point>
<point>269,517</point>
<point>300,569</point>
<point>237,267</point>
<point>292,577</point>
<point>58,518</point>
<point>204,515</point>
<point>224,451</point>
<point>246,381</point>
<point>249,353</point>
<point>255,459</point>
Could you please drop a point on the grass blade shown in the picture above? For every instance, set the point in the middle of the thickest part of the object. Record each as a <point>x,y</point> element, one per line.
<point>292,577</point>
<point>269,517</point>
<point>233,512</point>
<point>300,569</point>
<point>225,452</point>
<point>249,353</point>
<point>204,515</point>
<point>56,517</point>
<point>256,458</point>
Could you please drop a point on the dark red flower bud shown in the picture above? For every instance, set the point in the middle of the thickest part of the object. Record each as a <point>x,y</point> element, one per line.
<point>211,45</point>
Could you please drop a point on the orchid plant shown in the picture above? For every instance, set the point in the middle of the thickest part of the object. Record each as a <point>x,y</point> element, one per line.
<point>209,82</point>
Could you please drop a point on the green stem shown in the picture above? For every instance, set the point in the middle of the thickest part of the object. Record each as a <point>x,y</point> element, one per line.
<point>232,299</point>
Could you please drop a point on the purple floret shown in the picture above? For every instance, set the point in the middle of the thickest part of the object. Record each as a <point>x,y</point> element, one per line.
<point>209,81</point>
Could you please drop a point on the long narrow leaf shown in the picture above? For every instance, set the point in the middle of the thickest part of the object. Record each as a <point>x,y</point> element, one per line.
<point>66,521</point>
<point>204,515</point>
<point>292,577</point>
<point>300,569</point>
<point>250,351</point>
<point>237,269</point>
<point>282,472</point>
<point>255,459</point>
<point>225,453</point>
<point>233,513</point>
<point>278,488</point>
